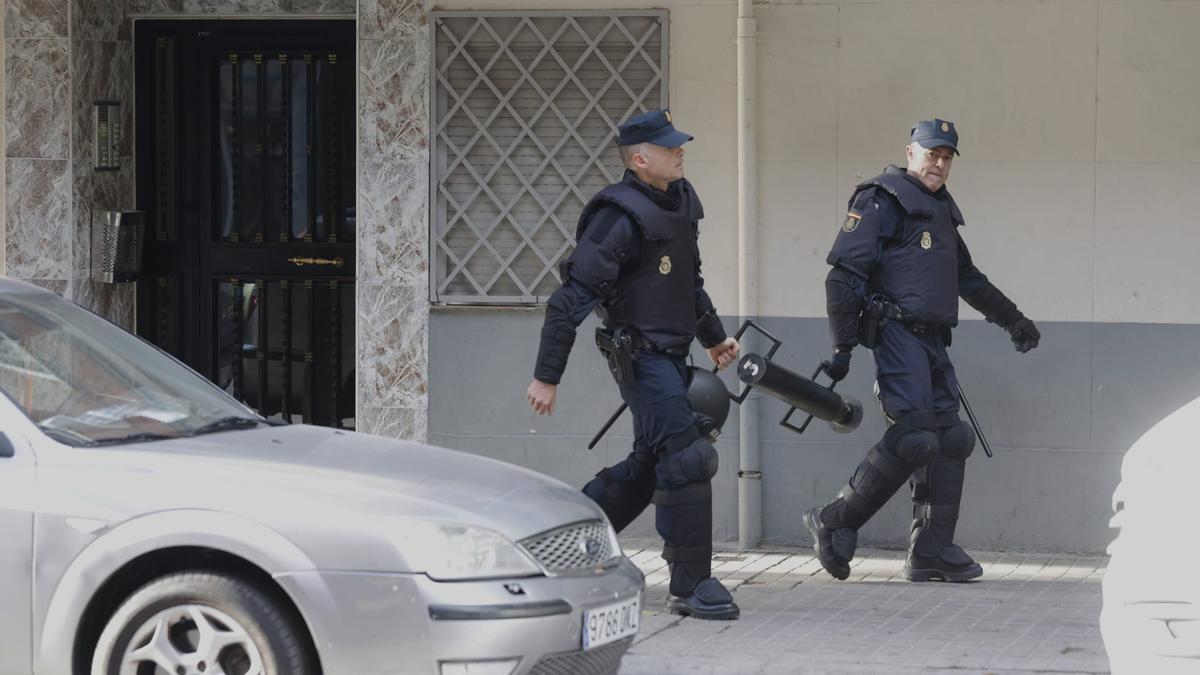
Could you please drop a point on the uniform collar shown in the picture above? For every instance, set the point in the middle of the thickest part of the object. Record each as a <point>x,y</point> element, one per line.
<point>669,200</point>
<point>893,169</point>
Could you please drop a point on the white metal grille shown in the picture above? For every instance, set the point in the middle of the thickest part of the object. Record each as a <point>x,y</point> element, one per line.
<point>525,109</point>
<point>583,546</point>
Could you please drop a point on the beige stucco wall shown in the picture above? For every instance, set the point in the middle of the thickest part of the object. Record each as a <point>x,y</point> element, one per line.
<point>1079,124</point>
<point>1080,141</point>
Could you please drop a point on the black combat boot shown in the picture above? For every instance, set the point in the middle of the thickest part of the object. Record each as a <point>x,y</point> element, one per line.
<point>708,600</point>
<point>833,558</point>
<point>932,554</point>
<point>952,564</point>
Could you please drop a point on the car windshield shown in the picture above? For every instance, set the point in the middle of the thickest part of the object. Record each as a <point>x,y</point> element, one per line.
<point>84,381</point>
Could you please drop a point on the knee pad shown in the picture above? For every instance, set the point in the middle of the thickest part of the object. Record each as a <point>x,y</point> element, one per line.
<point>915,447</point>
<point>958,440</point>
<point>623,491</point>
<point>695,463</point>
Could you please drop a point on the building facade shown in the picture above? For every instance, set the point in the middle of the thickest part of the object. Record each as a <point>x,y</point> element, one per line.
<point>480,128</point>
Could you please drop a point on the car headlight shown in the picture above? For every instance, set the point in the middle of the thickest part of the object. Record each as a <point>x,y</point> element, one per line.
<point>449,551</point>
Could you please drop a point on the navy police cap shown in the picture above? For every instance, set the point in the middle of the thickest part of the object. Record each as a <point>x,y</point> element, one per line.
<point>935,133</point>
<point>651,127</point>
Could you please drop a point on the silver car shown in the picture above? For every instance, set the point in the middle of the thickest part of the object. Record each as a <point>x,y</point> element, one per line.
<point>150,524</point>
<point>1150,621</point>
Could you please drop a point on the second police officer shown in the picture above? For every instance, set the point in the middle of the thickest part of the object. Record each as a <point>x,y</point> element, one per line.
<point>899,267</point>
<point>637,259</point>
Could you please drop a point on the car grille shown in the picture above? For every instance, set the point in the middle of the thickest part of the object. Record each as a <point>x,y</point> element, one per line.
<point>578,547</point>
<point>599,661</point>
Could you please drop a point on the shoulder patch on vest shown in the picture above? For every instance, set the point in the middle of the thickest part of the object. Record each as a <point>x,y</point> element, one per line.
<point>850,224</point>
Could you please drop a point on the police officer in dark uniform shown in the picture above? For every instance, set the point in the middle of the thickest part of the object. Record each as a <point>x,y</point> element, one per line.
<point>637,262</point>
<point>899,267</point>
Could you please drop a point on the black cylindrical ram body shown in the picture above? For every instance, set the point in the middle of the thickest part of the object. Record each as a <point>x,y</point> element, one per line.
<point>800,392</point>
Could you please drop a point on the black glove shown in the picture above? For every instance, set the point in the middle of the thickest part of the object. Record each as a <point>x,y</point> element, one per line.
<point>1024,334</point>
<point>839,366</point>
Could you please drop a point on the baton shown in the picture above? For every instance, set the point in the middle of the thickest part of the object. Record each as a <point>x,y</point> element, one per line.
<point>987,450</point>
<point>609,423</point>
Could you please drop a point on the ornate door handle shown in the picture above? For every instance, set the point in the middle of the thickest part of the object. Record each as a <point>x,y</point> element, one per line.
<point>301,262</point>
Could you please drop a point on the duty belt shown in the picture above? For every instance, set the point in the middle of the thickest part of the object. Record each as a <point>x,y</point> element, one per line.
<point>642,343</point>
<point>891,310</point>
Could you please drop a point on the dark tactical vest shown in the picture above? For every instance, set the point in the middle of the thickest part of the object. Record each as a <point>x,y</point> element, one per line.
<point>919,267</point>
<point>658,294</point>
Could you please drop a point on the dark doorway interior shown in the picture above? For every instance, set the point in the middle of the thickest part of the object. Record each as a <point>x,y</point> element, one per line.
<point>245,170</point>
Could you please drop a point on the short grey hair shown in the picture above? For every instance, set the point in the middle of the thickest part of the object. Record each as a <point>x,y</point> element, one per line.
<point>628,151</point>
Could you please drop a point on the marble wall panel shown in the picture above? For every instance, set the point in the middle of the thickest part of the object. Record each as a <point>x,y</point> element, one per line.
<point>393,331</point>
<point>101,71</point>
<point>382,19</point>
<point>393,318</point>
<point>123,310</point>
<point>83,196</point>
<point>96,191</point>
<point>96,19</point>
<point>406,423</point>
<point>35,18</point>
<point>393,112</point>
<point>114,302</point>
<point>37,211</point>
<point>83,293</point>
<point>393,223</point>
<point>37,82</point>
<point>325,7</point>
<point>54,285</point>
<point>233,7</point>
<point>152,7</point>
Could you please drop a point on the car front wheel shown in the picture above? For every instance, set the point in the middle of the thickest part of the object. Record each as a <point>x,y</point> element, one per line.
<point>200,623</point>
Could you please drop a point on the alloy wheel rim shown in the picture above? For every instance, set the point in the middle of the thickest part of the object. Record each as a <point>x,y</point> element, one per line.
<point>191,639</point>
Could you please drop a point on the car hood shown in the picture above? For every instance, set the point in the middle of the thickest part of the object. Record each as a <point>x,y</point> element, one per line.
<point>325,489</point>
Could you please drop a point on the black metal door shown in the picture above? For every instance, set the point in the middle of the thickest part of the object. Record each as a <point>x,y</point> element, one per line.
<point>245,138</point>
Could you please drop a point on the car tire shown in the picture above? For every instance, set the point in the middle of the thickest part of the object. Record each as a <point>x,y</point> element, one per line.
<point>181,619</point>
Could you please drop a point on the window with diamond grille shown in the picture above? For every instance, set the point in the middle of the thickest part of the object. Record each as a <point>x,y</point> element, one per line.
<point>525,109</point>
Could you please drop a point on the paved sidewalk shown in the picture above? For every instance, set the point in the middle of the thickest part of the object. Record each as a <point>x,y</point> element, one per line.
<point>1028,614</point>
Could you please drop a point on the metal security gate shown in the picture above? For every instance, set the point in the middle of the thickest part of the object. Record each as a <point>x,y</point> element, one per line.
<point>525,108</point>
<point>246,172</point>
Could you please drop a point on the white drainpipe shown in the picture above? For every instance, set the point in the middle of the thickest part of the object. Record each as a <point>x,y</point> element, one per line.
<point>750,473</point>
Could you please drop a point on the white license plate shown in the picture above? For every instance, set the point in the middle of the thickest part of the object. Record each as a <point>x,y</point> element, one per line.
<point>602,625</point>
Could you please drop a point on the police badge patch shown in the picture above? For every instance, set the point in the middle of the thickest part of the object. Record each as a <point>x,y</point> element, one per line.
<point>926,240</point>
<point>664,265</point>
<point>851,222</point>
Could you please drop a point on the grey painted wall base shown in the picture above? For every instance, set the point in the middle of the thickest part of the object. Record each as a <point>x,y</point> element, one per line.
<point>1059,420</point>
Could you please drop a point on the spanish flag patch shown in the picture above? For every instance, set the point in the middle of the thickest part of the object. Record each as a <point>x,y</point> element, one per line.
<point>851,222</point>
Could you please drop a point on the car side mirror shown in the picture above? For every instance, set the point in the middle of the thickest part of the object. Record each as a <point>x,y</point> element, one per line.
<point>6,446</point>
